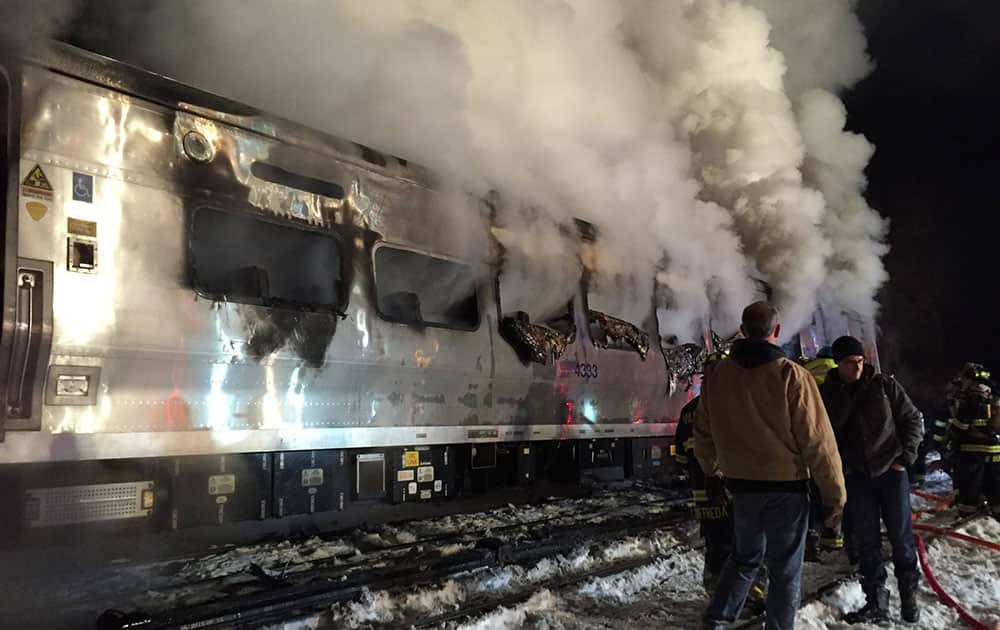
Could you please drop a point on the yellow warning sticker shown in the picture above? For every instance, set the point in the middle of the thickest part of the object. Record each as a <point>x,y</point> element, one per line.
<point>411,459</point>
<point>36,210</point>
<point>37,184</point>
<point>673,450</point>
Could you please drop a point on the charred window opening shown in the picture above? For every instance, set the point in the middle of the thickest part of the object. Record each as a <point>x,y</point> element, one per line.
<point>611,333</point>
<point>277,175</point>
<point>414,288</point>
<point>535,342</point>
<point>240,258</point>
<point>372,156</point>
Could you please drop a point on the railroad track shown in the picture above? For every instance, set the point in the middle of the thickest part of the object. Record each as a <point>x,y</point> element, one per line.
<point>535,529</point>
<point>486,605</point>
<point>258,597</point>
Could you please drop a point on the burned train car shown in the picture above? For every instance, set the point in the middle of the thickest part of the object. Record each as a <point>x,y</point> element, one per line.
<point>213,315</point>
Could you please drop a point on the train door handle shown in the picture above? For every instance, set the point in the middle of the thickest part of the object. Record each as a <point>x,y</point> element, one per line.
<point>27,339</point>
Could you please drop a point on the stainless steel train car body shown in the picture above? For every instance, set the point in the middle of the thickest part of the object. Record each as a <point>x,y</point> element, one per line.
<point>116,355</point>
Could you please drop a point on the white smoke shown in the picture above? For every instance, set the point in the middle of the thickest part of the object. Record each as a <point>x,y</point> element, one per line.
<point>824,44</point>
<point>701,137</point>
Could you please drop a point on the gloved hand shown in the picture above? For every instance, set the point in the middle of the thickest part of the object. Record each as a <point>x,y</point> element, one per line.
<point>715,491</point>
<point>833,517</point>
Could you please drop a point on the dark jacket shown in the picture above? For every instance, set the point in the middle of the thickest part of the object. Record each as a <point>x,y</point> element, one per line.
<point>684,441</point>
<point>876,423</point>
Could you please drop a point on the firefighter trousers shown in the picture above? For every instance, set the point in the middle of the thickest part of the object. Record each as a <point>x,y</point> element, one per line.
<point>718,534</point>
<point>978,475</point>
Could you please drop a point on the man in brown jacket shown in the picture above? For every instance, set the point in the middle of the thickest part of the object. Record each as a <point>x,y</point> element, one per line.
<point>762,426</point>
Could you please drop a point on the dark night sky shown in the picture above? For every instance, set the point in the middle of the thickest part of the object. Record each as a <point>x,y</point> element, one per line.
<point>931,107</point>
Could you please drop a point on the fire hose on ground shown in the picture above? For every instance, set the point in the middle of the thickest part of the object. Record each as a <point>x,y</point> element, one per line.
<point>943,502</point>
<point>942,595</point>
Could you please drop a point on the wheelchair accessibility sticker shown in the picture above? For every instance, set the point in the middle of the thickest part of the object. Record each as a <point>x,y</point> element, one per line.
<point>83,187</point>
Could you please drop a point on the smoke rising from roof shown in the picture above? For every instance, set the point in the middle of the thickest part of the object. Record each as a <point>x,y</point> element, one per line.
<point>703,137</point>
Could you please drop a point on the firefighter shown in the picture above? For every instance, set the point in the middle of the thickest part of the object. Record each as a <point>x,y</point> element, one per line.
<point>712,506</point>
<point>918,471</point>
<point>821,365</point>
<point>974,441</point>
<point>820,537</point>
<point>940,432</point>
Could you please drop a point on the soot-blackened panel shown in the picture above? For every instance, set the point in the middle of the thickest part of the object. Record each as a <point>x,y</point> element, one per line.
<point>308,334</point>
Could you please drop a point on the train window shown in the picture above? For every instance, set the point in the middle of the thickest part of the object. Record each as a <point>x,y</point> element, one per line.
<point>415,288</point>
<point>241,258</point>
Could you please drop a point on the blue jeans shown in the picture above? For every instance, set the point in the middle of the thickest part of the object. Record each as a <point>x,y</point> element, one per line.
<point>769,525</point>
<point>886,497</point>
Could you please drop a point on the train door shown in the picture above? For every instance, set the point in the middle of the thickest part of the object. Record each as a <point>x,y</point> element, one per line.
<point>7,200</point>
<point>26,290</point>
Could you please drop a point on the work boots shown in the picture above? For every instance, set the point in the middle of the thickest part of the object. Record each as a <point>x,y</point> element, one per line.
<point>908,609</point>
<point>876,610</point>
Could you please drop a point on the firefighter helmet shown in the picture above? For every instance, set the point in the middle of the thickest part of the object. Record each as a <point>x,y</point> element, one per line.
<point>976,372</point>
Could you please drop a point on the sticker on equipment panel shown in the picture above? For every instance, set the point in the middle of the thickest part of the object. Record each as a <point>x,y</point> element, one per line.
<point>412,488</point>
<point>425,473</point>
<point>221,484</point>
<point>425,494</point>
<point>312,477</point>
<point>437,485</point>
<point>37,184</point>
<point>411,459</point>
<point>404,475</point>
<point>83,187</point>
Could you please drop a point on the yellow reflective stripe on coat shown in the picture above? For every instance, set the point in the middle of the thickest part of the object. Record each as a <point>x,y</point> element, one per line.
<point>961,425</point>
<point>980,448</point>
<point>981,422</point>
<point>681,459</point>
<point>710,513</point>
<point>689,444</point>
<point>832,543</point>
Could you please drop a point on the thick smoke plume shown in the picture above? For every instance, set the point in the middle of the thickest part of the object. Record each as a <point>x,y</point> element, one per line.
<point>703,138</point>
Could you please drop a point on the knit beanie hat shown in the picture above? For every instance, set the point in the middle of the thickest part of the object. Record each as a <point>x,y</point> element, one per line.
<point>847,346</point>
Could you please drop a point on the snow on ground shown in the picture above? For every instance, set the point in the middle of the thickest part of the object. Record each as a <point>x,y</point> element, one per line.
<point>665,593</point>
<point>937,483</point>
<point>385,608</point>
<point>282,556</point>
<point>665,590</point>
<point>969,573</point>
<point>287,557</point>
